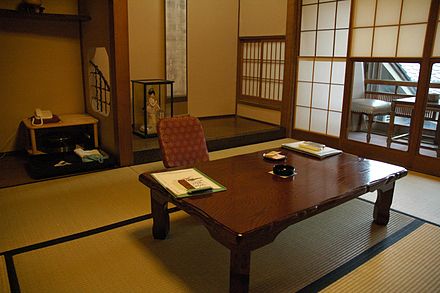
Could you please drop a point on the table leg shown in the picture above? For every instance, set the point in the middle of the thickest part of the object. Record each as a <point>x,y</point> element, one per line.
<point>382,206</point>
<point>239,271</point>
<point>161,218</point>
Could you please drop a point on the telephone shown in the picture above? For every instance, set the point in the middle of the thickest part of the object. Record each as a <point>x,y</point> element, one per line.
<point>40,115</point>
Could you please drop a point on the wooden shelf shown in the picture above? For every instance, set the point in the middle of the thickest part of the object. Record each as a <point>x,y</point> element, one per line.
<point>7,13</point>
<point>65,120</point>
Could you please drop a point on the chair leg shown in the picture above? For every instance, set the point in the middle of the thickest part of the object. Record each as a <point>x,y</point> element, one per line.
<point>359,126</point>
<point>370,124</point>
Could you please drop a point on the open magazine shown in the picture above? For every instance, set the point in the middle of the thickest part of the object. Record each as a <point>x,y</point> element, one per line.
<point>187,182</point>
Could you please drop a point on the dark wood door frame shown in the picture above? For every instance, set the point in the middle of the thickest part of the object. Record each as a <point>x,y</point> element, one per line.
<point>121,68</point>
<point>410,159</point>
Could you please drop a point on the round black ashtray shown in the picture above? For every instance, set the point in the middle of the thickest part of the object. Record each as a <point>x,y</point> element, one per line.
<point>283,170</point>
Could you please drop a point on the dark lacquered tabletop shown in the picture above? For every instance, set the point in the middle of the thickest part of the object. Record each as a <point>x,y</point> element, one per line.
<point>255,199</point>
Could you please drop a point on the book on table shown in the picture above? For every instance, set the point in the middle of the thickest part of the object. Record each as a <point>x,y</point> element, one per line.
<point>311,148</point>
<point>187,182</point>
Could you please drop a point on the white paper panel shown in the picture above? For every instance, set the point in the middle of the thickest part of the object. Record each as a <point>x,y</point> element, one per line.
<point>334,123</point>
<point>388,12</point>
<point>320,95</point>
<point>415,11</point>
<point>338,72</point>
<point>411,39</point>
<point>302,116</point>
<point>364,12</point>
<point>305,70</point>
<point>436,51</point>
<point>324,46</point>
<point>326,18</point>
<point>318,121</point>
<point>307,47</point>
<point>309,1</point>
<point>341,39</point>
<point>361,42</point>
<point>308,17</point>
<point>336,97</point>
<point>304,94</point>
<point>343,14</point>
<point>322,71</point>
<point>385,41</point>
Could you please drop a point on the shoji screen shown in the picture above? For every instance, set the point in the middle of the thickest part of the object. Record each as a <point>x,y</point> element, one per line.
<point>262,67</point>
<point>389,28</point>
<point>436,51</point>
<point>321,66</point>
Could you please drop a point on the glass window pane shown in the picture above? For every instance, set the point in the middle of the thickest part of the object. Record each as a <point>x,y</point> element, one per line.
<point>320,95</point>
<point>324,46</point>
<point>385,41</point>
<point>361,42</point>
<point>430,144</point>
<point>391,101</point>
<point>302,116</point>
<point>318,121</point>
<point>308,17</point>
<point>388,12</point>
<point>364,13</point>
<point>341,39</point>
<point>415,11</point>
<point>307,47</point>
<point>411,39</point>
<point>326,18</point>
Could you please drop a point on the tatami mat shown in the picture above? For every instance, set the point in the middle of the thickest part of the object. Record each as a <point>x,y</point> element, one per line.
<point>411,265</point>
<point>416,194</point>
<point>46,210</point>
<point>127,259</point>
<point>51,209</point>
<point>4,282</point>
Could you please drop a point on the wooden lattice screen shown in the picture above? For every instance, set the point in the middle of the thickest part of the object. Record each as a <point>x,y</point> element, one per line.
<point>261,62</point>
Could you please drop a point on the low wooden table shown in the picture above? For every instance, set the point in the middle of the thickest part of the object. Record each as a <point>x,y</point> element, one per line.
<point>257,205</point>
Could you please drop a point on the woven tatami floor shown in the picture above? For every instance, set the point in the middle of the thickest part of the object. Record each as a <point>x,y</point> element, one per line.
<point>92,233</point>
<point>128,259</point>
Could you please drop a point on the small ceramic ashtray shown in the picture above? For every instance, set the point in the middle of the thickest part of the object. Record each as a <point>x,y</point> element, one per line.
<point>283,170</point>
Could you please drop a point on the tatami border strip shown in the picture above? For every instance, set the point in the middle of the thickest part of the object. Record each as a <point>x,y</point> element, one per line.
<point>81,234</point>
<point>403,213</point>
<point>359,260</point>
<point>12,274</point>
<point>10,267</point>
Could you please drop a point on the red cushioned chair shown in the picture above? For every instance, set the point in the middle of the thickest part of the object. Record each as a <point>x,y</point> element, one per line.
<point>182,141</point>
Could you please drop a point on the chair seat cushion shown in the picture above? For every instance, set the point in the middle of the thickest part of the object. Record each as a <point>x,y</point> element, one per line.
<point>370,106</point>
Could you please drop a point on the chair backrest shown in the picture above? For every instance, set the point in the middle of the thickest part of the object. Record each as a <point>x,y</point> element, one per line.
<point>182,141</point>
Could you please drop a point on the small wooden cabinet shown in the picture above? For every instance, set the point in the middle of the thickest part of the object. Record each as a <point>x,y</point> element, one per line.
<point>68,121</point>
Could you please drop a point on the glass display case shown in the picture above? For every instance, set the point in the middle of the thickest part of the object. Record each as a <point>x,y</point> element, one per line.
<point>150,99</point>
